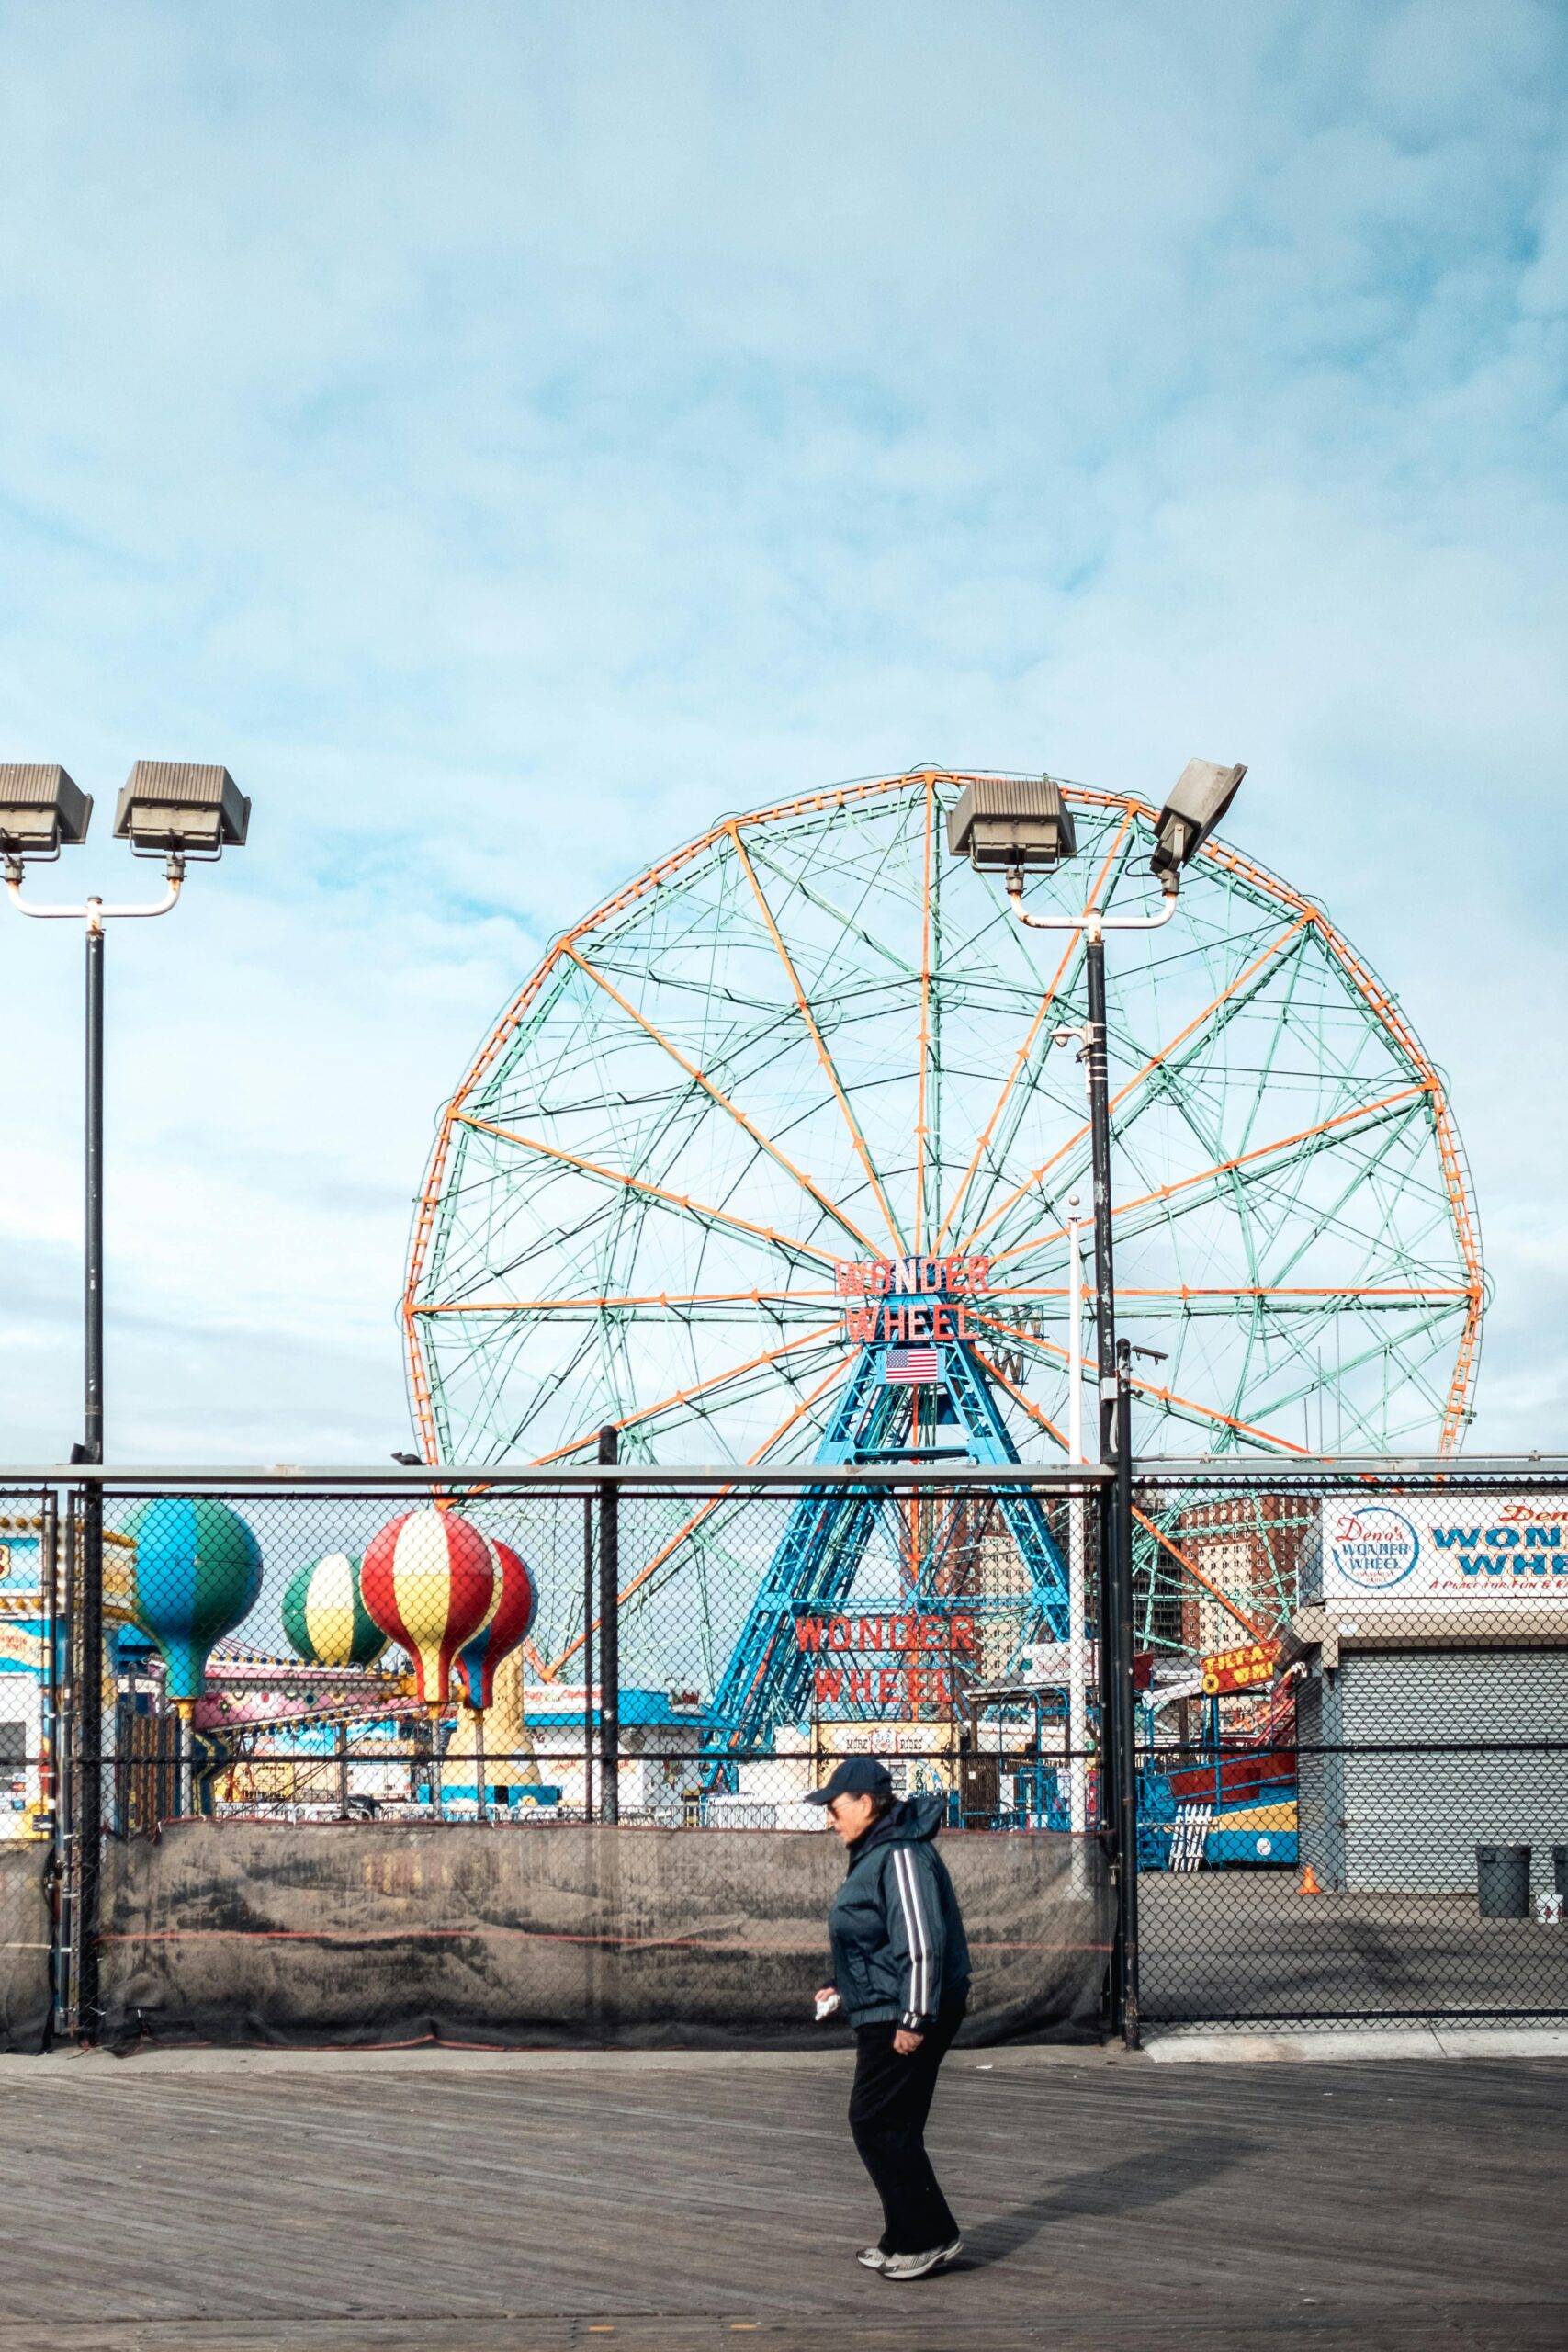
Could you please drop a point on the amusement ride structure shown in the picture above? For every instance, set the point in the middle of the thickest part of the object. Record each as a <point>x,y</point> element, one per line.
<point>772,1159</point>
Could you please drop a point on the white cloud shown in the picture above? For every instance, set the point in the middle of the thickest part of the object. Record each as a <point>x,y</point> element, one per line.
<point>511,437</point>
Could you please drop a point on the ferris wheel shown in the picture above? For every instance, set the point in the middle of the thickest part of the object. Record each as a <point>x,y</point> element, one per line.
<point>810,1040</point>
<point>809,1037</point>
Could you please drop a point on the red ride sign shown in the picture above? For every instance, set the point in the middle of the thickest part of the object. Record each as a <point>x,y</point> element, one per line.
<point>940,1650</point>
<point>917,1301</point>
<point>1239,1670</point>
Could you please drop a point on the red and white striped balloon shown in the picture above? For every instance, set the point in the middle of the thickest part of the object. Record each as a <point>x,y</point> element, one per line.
<point>427,1581</point>
<point>509,1615</point>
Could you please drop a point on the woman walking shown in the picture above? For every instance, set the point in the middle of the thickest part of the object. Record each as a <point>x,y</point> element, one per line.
<point>901,1974</point>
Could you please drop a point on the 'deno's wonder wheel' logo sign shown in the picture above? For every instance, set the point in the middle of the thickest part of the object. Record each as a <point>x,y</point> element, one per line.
<point>1374,1548</point>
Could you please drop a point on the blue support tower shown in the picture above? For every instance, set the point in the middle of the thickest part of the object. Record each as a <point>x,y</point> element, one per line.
<point>768,1679</point>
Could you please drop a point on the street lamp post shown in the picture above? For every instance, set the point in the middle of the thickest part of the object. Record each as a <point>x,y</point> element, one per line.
<point>1014,825</point>
<point>1117,1776</point>
<point>177,812</point>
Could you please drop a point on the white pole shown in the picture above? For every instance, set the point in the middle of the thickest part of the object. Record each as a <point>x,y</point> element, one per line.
<point>1077,1710</point>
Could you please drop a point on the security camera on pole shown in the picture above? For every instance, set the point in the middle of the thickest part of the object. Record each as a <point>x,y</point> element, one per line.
<point>177,812</point>
<point>1018,825</point>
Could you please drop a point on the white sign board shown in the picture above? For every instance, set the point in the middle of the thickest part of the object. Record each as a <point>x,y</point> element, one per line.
<point>1050,1663</point>
<point>1489,1551</point>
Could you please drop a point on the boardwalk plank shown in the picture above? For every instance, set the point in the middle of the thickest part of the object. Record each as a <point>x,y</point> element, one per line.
<point>1223,2207</point>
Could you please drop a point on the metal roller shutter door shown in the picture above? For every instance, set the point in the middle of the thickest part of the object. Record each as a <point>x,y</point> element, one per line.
<point>1414,1820</point>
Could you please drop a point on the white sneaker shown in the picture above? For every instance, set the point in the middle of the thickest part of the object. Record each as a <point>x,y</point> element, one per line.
<point>918,2266</point>
<point>871,2257</point>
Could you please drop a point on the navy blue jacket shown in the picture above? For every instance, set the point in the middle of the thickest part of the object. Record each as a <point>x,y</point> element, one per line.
<point>898,1944</point>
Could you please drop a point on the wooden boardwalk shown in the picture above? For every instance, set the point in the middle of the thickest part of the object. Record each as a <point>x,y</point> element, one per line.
<point>320,2203</point>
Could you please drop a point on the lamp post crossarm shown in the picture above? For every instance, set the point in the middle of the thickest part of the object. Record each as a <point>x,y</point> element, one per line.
<point>94,913</point>
<point>1091,920</point>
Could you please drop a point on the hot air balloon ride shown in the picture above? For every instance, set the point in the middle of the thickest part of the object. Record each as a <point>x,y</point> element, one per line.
<point>197,1573</point>
<point>490,1670</point>
<point>506,1625</point>
<point>324,1614</point>
<point>427,1581</point>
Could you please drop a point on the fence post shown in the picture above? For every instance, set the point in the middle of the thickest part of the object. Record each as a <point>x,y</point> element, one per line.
<point>588,1615</point>
<point>609,1636</point>
<point>88,1761</point>
<point>66,1777</point>
<point>52,1753</point>
<point>1107,1778</point>
<point>1126,1711</point>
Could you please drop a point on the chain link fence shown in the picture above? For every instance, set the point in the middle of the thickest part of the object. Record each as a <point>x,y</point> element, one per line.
<point>695,1658</point>
<point>333,1721</point>
<point>355,1762</point>
<point>32,1668</point>
<point>1353,1746</point>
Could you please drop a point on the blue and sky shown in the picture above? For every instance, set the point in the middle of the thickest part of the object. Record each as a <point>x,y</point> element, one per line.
<point>509,436</point>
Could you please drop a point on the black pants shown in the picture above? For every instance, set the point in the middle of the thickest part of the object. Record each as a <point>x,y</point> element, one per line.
<point>888,2106</point>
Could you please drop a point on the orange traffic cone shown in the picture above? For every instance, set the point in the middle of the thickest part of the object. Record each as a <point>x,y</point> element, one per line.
<point>1309,1885</point>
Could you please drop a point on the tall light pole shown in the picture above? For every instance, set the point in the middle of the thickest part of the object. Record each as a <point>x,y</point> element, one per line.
<point>177,812</point>
<point>1012,826</point>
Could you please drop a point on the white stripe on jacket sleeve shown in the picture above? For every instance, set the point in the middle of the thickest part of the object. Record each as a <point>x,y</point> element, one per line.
<point>908,1880</point>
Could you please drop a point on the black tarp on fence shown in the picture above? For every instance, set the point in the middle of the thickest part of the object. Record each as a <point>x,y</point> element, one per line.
<point>364,1933</point>
<point>26,1934</point>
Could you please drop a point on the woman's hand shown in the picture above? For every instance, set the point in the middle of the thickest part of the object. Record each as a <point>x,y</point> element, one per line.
<point>906,2043</point>
<point>826,1992</point>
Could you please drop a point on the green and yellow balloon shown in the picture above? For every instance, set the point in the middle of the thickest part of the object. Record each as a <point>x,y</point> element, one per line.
<point>324,1614</point>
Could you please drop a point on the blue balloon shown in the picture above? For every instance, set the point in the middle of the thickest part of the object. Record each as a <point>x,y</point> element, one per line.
<point>199,1572</point>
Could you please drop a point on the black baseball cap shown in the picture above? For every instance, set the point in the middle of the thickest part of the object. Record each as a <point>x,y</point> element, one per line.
<point>856,1776</point>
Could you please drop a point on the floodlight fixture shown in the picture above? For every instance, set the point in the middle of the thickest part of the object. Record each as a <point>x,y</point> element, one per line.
<point>173,808</point>
<point>41,810</point>
<point>1195,806</point>
<point>1003,824</point>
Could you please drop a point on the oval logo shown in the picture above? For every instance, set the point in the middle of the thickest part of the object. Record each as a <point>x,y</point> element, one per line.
<point>1374,1548</point>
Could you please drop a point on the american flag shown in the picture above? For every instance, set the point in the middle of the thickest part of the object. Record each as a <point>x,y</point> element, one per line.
<point>913,1367</point>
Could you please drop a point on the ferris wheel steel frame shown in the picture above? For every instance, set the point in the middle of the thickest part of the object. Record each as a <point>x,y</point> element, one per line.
<point>819,1361</point>
<point>816,1563</point>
